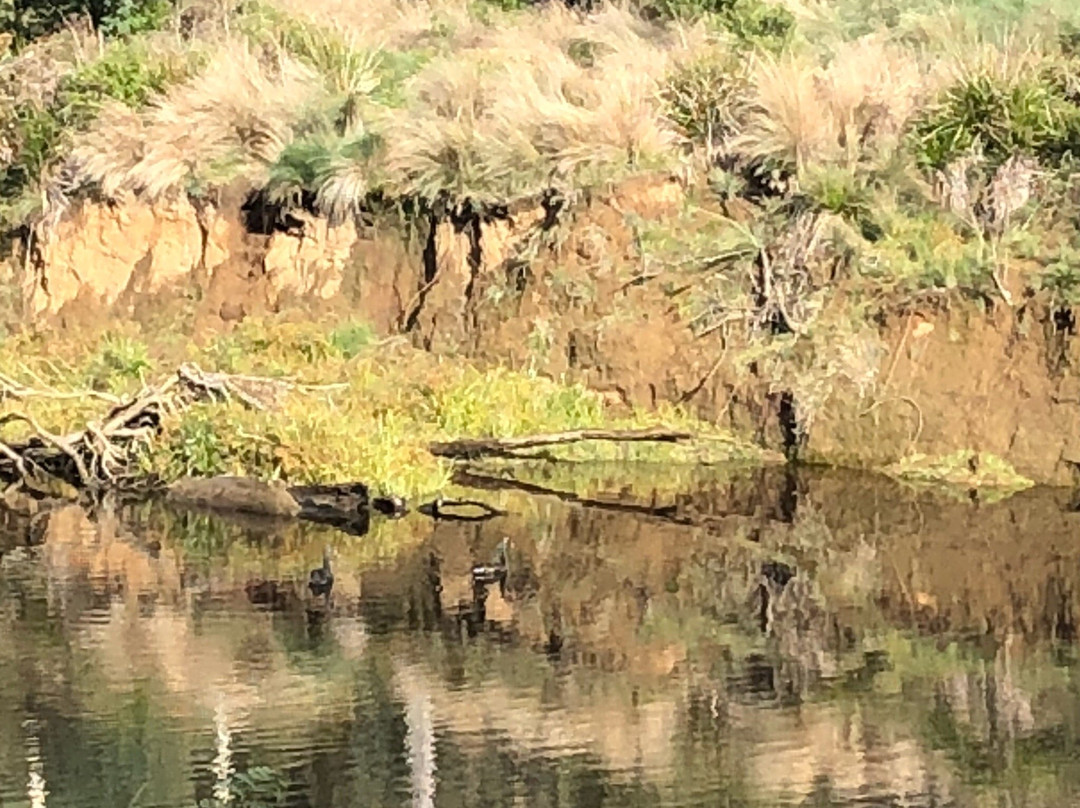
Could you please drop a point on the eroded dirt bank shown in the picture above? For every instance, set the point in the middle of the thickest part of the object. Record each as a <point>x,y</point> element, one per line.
<point>566,290</point>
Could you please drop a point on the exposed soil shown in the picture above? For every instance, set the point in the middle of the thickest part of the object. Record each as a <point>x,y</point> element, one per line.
<point>571,299</point>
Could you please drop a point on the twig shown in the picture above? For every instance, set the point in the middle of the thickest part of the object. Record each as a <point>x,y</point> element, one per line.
<point>693,391</point>
<point>9,388</point>
<point>909,401</point>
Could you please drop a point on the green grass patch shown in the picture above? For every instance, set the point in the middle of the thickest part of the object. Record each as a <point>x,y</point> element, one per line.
<point>361,410</point>
<point>964,469</point>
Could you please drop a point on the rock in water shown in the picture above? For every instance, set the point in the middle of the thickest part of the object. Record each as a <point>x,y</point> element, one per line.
<point>243,494</point>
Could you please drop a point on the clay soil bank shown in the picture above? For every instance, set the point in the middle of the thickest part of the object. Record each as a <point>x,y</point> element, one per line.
<point>942,375</point>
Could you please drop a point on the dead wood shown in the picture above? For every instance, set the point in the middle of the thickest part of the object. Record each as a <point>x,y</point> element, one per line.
<point>101,456</point>
<point>473,448</point>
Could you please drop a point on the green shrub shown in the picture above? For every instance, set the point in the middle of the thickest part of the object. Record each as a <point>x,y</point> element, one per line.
<point>752,21</point>
<point>1029,116</point>
<point>118,361</point>
<point>846,193</point>
<point>1062,278</point>
<point>704,96</point>
<point>27,20</point>
<point>349,339</point>
<point>128,72</point>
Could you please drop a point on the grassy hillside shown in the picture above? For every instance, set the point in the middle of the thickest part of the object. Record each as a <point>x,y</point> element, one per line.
<point>938,139</point>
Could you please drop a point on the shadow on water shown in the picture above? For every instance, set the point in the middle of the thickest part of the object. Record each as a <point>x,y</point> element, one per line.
<point>748,638</point>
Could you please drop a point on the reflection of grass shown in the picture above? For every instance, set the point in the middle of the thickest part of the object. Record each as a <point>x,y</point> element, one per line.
<point>234,550</point>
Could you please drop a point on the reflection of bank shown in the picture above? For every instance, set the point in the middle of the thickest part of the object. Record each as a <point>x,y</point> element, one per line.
<point>228,670</point>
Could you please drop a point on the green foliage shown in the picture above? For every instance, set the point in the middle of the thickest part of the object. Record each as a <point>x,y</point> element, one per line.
<point>765,24</point>
<point>195,449</point>
<point>1062,278</point>
<point>757,22</point>
<point>504,5</point>
<point>920,250</point>
<point>1031,115</point>
<point>349,339</point>
<point>704,96</point>
<point>393,70</point>
<point>837,190</point>
<point>29,19</point>
<point>128,72</point>
<point>213,439</point>
<point>118,361</point>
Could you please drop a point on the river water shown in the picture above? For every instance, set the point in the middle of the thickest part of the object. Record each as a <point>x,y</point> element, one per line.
<point>734,638</point>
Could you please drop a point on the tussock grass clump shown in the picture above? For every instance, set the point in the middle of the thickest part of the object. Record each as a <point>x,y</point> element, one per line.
<point>1000,102</point>
<point>849,112</point>
<point>233,120</point>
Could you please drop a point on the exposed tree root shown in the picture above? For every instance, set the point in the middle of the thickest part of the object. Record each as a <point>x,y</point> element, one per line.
<point>101,455</point>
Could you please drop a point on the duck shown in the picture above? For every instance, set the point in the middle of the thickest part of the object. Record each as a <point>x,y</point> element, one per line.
<point>392,506</point>
<point>483,574</point>
<point>321,579</point>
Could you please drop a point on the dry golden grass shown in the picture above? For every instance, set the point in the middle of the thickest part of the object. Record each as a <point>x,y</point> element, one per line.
<point>396,24</point>
<point>851,110</point>
<point>575,102</point>
<point>514,115</point>
<point>236,117</point>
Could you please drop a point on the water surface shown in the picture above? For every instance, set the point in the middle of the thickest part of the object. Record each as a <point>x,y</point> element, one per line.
<point>735,639</point>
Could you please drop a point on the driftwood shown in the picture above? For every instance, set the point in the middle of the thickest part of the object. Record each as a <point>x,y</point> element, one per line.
<point>100,456</point>
<point>473,448</point>
<point>345,506</point>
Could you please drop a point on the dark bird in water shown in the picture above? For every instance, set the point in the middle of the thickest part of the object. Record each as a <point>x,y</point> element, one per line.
<point>321,580</point>
<point>483,574</point>
<point>392,506</point>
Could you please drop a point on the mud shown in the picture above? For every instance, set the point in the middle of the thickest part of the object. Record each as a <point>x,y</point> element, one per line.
<point>570,300</point>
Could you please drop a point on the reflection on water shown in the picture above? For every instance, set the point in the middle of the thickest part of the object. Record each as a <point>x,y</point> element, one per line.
<point>765,640</point>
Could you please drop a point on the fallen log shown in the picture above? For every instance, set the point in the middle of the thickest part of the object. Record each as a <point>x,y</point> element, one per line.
<point>473,448</point>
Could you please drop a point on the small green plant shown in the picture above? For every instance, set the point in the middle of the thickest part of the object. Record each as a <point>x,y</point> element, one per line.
<point>999,118</point>
<point>28,20</point>
<point>838,190</point>
<point>349,339</point>
<point>118,361</point>
<point>704,97</point>
<point>754,22</point>
<point>1062,278</point>
<point>196,449</point>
